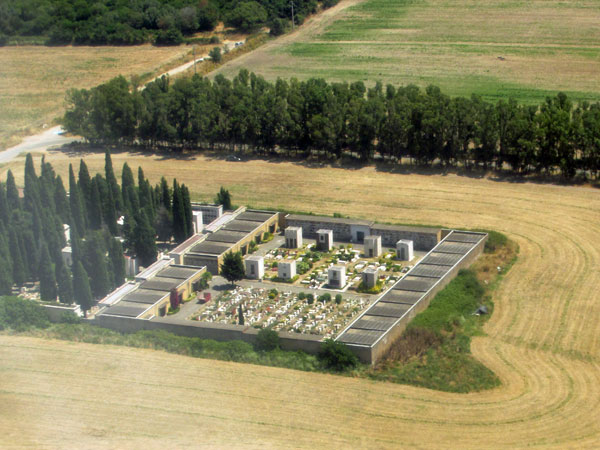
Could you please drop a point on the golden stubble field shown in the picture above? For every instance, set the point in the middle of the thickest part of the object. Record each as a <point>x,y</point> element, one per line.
<point>525,50</point>
<point>543,339</point>
<point>34,79</point>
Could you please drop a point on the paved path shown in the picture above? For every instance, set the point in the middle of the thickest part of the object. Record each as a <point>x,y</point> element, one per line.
<point>49,138</point>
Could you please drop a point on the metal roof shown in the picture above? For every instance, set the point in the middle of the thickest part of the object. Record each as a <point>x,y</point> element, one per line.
<point>382,316</point>
<point>470,238</point>
<point>399,296</point>
<point>187,244</point>
<point>231,237</point>
<point>212,248</point>
<point>161,284</point>
<point>441,259</point>
<point>360,337</point>
<point>256,216</point>
<point>417,284</point>
<point>118,293</point>
<point>388,309</point>
<point>179,272</point>
<point>453,247</point>
<point>145,296</point>
<point>241,225</point>
<point>377,323</point>
<point>429,270</point>
<point>121,310</point>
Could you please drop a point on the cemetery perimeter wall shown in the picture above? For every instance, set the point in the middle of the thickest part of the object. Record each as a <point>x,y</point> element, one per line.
<point>218,332</point>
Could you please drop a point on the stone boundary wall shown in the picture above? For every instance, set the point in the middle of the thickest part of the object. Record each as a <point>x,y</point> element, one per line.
<point>423,240</point>
<point>56,312</point>
<point>378,350</point>
<point>341,231</point>
<point>218,332</point>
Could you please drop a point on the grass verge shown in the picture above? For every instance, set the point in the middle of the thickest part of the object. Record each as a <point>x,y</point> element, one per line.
<point>435,350</point>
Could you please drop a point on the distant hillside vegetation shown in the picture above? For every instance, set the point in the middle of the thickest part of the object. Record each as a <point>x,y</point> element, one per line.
<point>128,22</point>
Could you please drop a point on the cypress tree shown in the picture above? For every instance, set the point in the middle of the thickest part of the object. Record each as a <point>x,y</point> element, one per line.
<point>165,195</point>
<point>95,207</point>
<point>19,273</point>
<point>76,206</point>
<point>223,198</point>
<point>4,211</point>
<point>12,193</point>
<point>117,262</point>
<point>144,240</point>
<point>179,222</point>
<point>111,180</point>
<point>47,186</point>
<point>240,315</point>
<point>6,268</point>
<point>48,290</point>
<point>127,189</point>
<point>65,285</point>
<point>187,209</point>
<point>32,200</point>
<point>94,262</point>
<point>81,287</point>
<point>29,252</point>
<point>60,201</point>
<point>85,183</point>
<point>109,213</point>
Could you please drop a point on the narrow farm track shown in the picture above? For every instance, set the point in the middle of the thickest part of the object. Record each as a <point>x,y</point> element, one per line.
<point>542,340</point>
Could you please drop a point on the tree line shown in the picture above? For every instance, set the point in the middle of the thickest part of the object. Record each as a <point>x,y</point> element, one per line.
<point>32,236</point>
<point>328,120</point>
<point>128,22</point>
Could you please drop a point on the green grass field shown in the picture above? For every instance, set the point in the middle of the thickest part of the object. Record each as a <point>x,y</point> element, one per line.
<point>498,49</point>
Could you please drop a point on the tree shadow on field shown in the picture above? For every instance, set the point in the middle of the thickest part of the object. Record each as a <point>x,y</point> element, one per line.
<point>82,149</point>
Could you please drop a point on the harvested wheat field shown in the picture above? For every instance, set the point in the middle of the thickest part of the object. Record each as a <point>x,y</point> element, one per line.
<point>34,79</point>
<point>525,50</point>
<point>543,340</point>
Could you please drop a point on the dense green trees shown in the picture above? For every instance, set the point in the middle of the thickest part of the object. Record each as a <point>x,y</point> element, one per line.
<point>329,120</point>
<point>126,22</point>
<point>32,236</point>
<point>223,198</point>
<point>232,268</point>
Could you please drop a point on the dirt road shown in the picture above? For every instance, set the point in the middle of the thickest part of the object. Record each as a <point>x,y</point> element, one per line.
<point>51,137</point>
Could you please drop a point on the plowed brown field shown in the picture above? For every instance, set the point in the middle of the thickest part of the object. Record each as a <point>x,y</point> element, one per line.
<point>543,339</point>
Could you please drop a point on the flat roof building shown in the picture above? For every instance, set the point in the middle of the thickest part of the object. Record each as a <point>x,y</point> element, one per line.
<point>255,267</point>
<point>293,237</point>
<point>336,277</point>
<point>373,246</point>
<point>286,270</point>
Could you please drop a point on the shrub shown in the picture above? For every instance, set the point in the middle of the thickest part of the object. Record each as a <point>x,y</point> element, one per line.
<point>170,36</point>
<point>69,317</point>
<point>273,293</point>
<point>338,299</point>
<point>301,296</point>
<point>278,27</point>
<point>21,315</point>
<point>310,299</point>
<point>214,40</point>
<point>215,55</point>
<point>325,297</point>
<point>337,356</point>
<point>267,340</point>
<point>494,241</point>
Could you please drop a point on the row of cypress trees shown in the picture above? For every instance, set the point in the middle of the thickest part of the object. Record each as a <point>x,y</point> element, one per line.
<point>328,120</point>
<point>32,235</point>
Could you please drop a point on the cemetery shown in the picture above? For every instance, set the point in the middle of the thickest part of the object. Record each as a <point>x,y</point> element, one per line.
<point>284,310</point>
